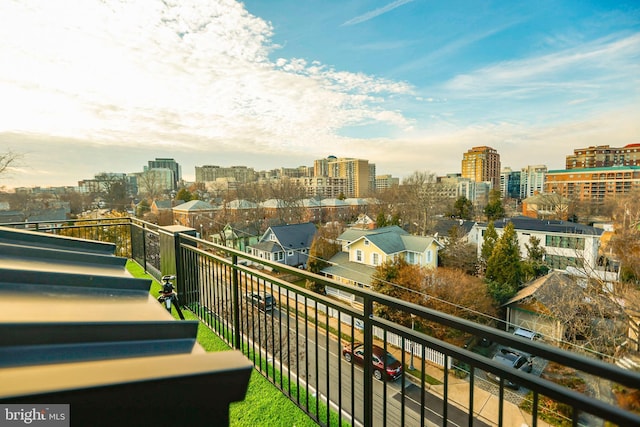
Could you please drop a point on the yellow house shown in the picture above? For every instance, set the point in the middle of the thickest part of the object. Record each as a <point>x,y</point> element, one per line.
<point>363,250</point>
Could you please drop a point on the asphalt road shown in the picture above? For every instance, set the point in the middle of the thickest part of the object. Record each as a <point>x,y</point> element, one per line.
<point>316,362</point>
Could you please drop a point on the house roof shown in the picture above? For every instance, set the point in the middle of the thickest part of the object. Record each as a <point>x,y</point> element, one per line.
<point>267,246</point>
<point>194,205</point>
<point>555,279</point>
<point>356,202</point>
<point>550,226</point>
<point>558,287</point>
<point>273,204</point>
<point>241,204</point>
<point>163,204</point>
<point>294,236</point>
<point>56,214</point>
<point>418,243</point>
<point>342,267</point>
<point>389,242</point>
<point>311,203</point>
<point>444,225</point>
<point>353,234</point>
<point>332,203</point>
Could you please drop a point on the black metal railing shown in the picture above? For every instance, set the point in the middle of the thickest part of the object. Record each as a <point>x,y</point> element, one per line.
<point>299,342</point>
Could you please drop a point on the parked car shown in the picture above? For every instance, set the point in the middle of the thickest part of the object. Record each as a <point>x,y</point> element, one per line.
<point>526,334</point>
<point>393,369</point>
<point>513,359</point>
<point>262,300</point>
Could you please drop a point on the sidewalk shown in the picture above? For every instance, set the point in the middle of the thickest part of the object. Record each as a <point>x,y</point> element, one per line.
<point>485,404</point>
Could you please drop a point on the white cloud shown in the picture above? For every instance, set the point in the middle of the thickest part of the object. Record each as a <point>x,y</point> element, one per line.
<point>572,68</point>
<point>376,12</point>
<point>182,72</point>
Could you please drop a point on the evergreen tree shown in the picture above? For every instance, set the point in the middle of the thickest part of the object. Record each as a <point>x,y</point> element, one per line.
<point>184,195</point>
<point>463,208</point>
<point>534,266</point>
<point>504,267</point>
<point>381,219</point>
<point>494,209</point>
<point>489,241</point>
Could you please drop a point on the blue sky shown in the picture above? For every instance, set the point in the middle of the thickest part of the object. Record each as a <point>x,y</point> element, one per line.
<point>103,86</point>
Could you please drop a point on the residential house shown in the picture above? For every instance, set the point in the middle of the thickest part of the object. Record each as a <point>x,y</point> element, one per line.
<point>546,206</point>
<point>286,210</point>
<point>357,206</point>
<point>285,244</point>
<point>364,222</point>
<point>363,250</point>
<point>162,209</point>
<point>196,214</point>
<point>335,209</point>
<point>443,227</point>
<point>239,236</point>
<point>559,305</point>
<point>566,244</point>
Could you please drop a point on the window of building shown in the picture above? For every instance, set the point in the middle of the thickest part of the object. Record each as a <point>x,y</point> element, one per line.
<point>562,262</point>
<point>358,255</point>
<point>290,253</point>
<point>366,242</point>
<point>564,242</point>
<point>375,259</point>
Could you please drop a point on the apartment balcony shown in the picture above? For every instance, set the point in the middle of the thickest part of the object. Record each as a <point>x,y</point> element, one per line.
<point>300,341</point>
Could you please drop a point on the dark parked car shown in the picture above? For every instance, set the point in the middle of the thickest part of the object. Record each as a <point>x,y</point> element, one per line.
<point>514,359</point>
<point>264,301</point>
<point>379,356</point>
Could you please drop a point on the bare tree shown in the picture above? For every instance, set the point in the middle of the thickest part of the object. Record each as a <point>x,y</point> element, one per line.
<point>8,159</point>
<point>421,201</point>
<point>289,195</point>
<point>150,184</point>
<point>624,246</point>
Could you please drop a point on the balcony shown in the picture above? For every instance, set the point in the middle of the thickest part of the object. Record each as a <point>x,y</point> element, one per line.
<point>298,344</point>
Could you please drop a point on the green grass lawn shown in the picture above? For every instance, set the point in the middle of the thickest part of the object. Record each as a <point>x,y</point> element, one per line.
<point>264,405</point>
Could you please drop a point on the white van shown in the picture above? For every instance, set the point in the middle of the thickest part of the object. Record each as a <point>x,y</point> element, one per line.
<point>524,333</point>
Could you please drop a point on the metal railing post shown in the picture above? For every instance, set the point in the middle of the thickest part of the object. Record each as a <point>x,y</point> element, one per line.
<point>235,285</point>
<point>144,246</point>
<point>368,362</point>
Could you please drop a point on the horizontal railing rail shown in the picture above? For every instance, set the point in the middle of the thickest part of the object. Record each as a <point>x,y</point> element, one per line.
<point>301,341</point>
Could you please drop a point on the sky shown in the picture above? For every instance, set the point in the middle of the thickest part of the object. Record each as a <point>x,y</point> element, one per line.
<point>91,86</point>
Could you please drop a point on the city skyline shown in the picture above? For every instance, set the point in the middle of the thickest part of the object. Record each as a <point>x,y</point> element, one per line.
<point>408,84</point>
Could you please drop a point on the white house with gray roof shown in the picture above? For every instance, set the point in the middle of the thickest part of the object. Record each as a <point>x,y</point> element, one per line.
<point>567,244</point>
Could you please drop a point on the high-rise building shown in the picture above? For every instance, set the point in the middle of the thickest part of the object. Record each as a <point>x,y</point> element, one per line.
<point>209,173</point>
<point>593,184</point>
<point>171,164</point>
<point>510,183</point>
<point>360,174</point>
<point>323,187</point>
<point>386,181</point>
<point>602,156</point>
<point>532,180</point>
<point>482,164</point>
